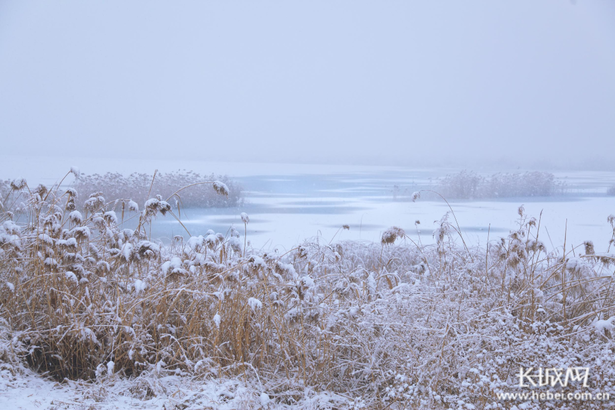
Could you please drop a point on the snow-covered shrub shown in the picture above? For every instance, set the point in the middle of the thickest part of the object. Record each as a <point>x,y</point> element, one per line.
<point>611,190</point>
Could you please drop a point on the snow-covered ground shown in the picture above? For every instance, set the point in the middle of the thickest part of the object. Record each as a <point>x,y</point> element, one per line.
<point>30,391</point>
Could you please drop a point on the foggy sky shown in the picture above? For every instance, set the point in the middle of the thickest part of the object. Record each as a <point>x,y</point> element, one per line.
<point>400,82</point>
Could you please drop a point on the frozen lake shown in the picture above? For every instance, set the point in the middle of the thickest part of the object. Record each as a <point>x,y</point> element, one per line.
<point>286,209</point>
<point>290,203</point>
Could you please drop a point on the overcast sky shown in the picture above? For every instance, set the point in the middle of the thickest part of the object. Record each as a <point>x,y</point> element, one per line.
<point>335,81</point>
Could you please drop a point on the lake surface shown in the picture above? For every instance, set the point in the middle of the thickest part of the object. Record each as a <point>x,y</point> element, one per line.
<point>286,209</point>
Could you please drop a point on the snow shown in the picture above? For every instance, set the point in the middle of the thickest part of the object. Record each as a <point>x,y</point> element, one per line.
<point>133,206</point>
<point>69,243</point>
<point>10,239</point>
<point>83,231</point>
<point>71,276</point>
<point>211,240</point>
<point>140,286</point>
<point>51,262</point>
<point>160,366</point>
<point>45,239</point>
<point>602,325</point>
<point>308,282</point>
<point>152,202</point>
<point>10,227</point>
<point>127,251</point>
<point>255,303</point>
<point>75,217</point>
<point>258,262</point>
<point>173,266</point>
<point>264,399</point>
<point>195,242</point>
<point>29,391</point>
<point>234,243</point>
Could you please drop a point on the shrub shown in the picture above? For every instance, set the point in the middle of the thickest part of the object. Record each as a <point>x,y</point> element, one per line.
<point>611,190</point>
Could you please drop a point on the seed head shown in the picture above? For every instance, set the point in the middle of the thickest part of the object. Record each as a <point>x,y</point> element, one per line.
<point>221,188</point>
<point>589,247</point>
<point>390,235</point>
<point>18,184</point>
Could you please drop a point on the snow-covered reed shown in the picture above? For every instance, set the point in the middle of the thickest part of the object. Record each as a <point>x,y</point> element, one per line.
<point>389,325</point>
<point>469,185</point>
<point>199,192</point>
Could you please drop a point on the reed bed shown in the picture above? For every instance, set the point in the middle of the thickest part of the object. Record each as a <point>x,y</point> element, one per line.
<point>138,187</point>
<point>343,325</point>
<point>470,185</point>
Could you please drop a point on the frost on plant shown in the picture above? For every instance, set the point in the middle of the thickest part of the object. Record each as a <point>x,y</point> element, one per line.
<point>390,235</point>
